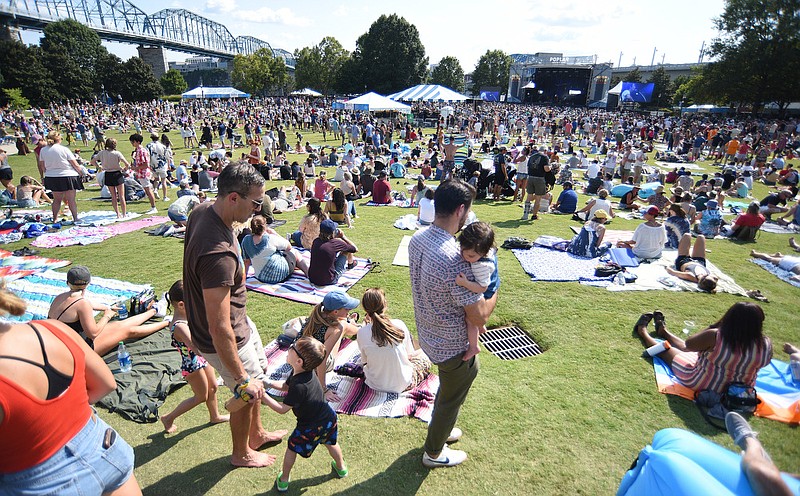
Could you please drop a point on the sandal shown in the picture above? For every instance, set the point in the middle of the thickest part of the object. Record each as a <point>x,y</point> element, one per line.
<point>757,295</point>
<point>644,319</point>
<point>658,319</point>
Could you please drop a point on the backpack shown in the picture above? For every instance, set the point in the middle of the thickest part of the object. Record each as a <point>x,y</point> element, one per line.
<point>738,397</point>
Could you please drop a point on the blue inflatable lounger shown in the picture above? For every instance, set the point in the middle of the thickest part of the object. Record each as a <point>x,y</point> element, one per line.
<point>679,462</point>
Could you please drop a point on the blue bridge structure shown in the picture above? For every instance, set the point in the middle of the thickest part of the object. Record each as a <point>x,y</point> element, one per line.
<point>121,21</point>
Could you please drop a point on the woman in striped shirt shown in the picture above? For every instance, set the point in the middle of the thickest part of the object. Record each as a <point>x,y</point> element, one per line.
<point>731,350</point>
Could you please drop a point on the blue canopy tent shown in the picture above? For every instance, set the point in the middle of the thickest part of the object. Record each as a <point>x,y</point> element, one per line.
<point>428,93</point>
<point>215,92</point>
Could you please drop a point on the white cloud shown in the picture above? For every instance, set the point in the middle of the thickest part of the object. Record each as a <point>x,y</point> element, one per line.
<point>221,5</point>
<point>267,15</point>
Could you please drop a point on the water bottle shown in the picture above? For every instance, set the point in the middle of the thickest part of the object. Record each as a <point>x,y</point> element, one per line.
<point>122,313</point>
<point>620,279</point>
<point>657,348</point>
<point>794,366</point>
<point>124,358</point>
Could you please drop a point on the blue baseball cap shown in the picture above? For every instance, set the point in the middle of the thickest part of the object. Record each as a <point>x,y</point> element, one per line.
<point>328,226</point>
<point>338,299</point>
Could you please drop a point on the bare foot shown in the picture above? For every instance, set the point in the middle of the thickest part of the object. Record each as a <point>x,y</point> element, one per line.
<point>221,419</point>
<point>752,253</point>
<point>790,349</point>
<point>253,459</point>
<point>471,352</point>
<point>169,424</point>
<point>266,437</point>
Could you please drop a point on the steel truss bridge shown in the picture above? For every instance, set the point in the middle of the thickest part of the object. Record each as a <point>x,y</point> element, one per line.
<point>121,21</point>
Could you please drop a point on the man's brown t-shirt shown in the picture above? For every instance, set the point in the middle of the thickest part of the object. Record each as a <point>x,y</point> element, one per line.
<point>211,259</point>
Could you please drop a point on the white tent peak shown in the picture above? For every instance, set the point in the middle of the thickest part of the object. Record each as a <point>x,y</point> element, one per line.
<point>428,93</point>
<point>215,92</point>
<point>376,102</point>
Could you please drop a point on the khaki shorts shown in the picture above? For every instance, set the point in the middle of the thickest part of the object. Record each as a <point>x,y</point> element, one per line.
<point>250,354</point>
<point>536,186</point>
<point>159,174</point>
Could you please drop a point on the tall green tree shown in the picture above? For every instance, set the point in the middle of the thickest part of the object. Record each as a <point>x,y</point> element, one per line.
<point>259,73</point>
<point>493,69</point>
<point>449,73</point>
<point>319,66</point>
<point>32,77</point>
<point>173,83</point>
<point>758,52</point>
<point>633,76</point>
<point>13,97</point>
<point>71,53</point>
<point>662,89</point>
<point>390,56</point>
<point>138,82</point>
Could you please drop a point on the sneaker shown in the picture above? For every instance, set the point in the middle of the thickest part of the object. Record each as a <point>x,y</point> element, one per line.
<point>153,210</point>
<point>169,232</point>
<point>447,458</point>
<point>738,428</point>
<point>166,198</point>
<point>340,473</point>
<point>161,306</point>
<point>455,435</point>
<point>281,486</point>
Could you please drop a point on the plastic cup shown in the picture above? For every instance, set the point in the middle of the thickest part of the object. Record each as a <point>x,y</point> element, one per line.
<point>688,326</point>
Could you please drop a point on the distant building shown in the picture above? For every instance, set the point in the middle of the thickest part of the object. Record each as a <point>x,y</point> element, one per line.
<point>199,64</point>
<point>672,70</point>
<point>557,79</point>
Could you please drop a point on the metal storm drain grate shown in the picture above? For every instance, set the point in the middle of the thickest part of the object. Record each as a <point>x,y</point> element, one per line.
<point>510,343</point>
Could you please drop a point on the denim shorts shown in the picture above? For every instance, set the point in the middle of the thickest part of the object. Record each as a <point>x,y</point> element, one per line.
<point>82,466</point>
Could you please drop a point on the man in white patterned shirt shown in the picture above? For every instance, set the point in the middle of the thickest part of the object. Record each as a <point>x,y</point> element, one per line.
<point>441,308</point>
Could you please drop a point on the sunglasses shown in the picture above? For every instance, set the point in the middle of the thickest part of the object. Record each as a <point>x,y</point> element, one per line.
<point>293,347</point>
<point>256,203</point>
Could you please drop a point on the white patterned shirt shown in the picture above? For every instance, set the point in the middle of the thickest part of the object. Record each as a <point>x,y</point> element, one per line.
<point>435,261</point>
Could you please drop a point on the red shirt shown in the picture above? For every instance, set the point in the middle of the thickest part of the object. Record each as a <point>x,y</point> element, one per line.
<point>380,191</point>
<point>34,429</point>
<point>749,220</point>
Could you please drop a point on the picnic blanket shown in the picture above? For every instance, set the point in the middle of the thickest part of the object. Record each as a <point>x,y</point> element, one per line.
<point>612,236</point>
<point>545,264</point>
<point>39,290</point>
<point>654,276</point>
<point>89,235</point>
<point>401,257</point>
<point>99,218</point>
<point>408,222</point>
<point>356,398</point>
<point>156,372</point>
<point>299,288</point>
<point>14,267</point>
<point>774,228</point>
<point>783,275</point>
<point>780,396</point>
<point>395,203</point>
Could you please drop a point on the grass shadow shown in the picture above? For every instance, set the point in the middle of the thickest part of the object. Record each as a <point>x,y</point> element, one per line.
<point>512,223</point>
<point>300,486</point>
<point>159,443</point>
<point>403,477</point>
<point>200,479</point>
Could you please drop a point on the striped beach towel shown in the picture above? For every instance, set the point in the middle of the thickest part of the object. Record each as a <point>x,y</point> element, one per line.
<point>356,398</point>
<point>39,291</point>
<point>299,288</point>
<point>90,235</point>
<point>779,395</point>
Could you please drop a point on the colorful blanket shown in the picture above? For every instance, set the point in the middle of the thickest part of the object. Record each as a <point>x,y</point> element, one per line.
<point>299,288</point>
<point>356,398</point>
<point>90,235</point>
<point>13,267</point>
<point>39,291</point>
<point>545,264</point>
<point>395,203</point>
<point>780,396</point>
<point>783,275</point>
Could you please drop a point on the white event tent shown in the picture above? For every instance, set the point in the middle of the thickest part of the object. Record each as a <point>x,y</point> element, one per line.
<point>215,92</point>
<point>428,93</point>
<point>376,102</point>
<point>306,92</point>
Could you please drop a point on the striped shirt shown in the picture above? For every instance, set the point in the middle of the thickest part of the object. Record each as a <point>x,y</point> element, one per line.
<point>716,368</point>
<point>435,261</point>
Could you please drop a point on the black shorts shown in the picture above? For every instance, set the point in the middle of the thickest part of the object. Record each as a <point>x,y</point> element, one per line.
<point>114,178</point>
<point>63,183</point>
<point>683,259</point>
<point>6,174</point>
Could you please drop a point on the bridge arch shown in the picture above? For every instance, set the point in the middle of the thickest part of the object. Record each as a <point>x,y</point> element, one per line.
<point>183,26</point>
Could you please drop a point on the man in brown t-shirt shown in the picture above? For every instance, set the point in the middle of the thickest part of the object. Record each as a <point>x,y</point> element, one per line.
<point>215,293</point>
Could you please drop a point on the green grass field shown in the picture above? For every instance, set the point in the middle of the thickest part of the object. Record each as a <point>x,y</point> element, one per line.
<point>569,421</point>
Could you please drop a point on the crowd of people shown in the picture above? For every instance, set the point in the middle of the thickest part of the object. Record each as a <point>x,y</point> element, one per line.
<point>454,281</point>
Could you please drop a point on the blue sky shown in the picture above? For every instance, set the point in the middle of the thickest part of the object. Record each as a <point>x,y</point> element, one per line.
<point>467,28</point>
